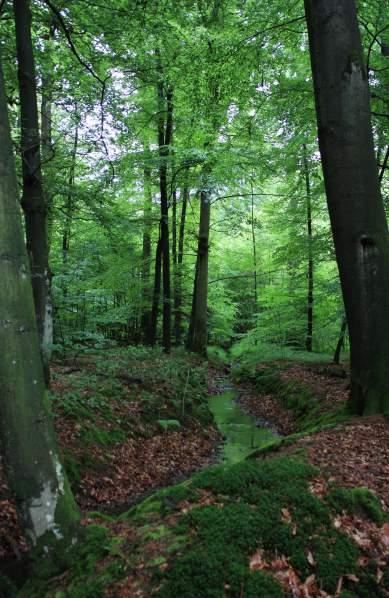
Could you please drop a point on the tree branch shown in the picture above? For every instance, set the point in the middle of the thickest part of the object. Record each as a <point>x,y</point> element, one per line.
<point>384,164</point>
<point>73,48</point>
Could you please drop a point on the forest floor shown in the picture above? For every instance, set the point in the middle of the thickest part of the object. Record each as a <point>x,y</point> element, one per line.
<point>132,422</point>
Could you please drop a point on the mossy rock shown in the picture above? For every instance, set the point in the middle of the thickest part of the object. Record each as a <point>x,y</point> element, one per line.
<point>360,501</point>
<point>169,424</point>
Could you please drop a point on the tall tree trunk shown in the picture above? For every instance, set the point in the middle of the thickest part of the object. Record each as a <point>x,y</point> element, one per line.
<point>174,227</point>
<point>43,496</point>
<point>156,294</point>
<point>69,206</point>
<point>164,140</point>
<point>254,249</point>
<point>46,126</point>
<point>198,337</point>
<point>178,277</point>
<point>340,343</point>
<point>33,200</point>
<point>309,335</point>
<point>353,194</point>
<point>146,252</point>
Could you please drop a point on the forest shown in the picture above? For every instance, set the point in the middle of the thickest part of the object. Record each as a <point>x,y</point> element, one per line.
<point>194,298</point>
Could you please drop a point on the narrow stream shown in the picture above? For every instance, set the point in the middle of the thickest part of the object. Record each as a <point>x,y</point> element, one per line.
<point>240,431</point>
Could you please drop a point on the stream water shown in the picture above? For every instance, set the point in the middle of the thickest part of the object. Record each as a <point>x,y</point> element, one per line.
<point>240,431</point>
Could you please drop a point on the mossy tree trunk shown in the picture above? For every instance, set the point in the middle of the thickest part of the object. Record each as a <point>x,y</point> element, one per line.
<point>36,477</point>
<point>355,205</point>
<point>33,200</point>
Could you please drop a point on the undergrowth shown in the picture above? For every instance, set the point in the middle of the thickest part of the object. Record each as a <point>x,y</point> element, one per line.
<point>132,392</point>
<point>310,413</point>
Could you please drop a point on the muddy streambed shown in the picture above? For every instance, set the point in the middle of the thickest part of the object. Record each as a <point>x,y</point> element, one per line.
<point>242,433</point>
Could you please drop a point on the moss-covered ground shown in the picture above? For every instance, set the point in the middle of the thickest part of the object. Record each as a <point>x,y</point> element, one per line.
<point>251,529</point>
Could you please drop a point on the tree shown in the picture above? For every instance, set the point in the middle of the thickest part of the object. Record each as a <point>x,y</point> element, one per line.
<point>179,267</point>
<point>355,205</point>
<point>165,132</point>
<point>33,199</point>
<point>197,337</point>
<point>309,335</point>
<point>43,496</point>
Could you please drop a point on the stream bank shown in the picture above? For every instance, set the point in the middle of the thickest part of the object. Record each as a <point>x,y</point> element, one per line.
<point>234,529</point>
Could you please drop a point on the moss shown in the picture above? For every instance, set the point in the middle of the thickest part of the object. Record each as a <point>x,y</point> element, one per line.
<point>163,501</point>
<point>251,498</point>
<point>248,479</point>
<point>169,424</point>
<point>81,559</point>
<point>335,554</point>
<point>92,434</point>
<point>360,501</point>
<point>72,468</point>
<point>367,584</point>
<point>213,574</point>
<point>293,395</point>
<point>154,533</point>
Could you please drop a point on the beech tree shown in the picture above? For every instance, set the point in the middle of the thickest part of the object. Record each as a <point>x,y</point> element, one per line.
<point>35,474</point>
<point>33,199</point>
<point>197,336</point>
<point>356,209</point>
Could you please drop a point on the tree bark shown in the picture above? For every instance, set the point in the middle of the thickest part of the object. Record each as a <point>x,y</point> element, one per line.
<point>179,273</point>
<point>164,140</point>
<point>198,337</point>
<point>35,474</point>
<point>309,335</point>
<point>146,252</point>
<point>69,207</point>
<point>340,343</point>
<point>46,127</point>
<point>355,205</point>
<point>33,200</point>
<point>156,295</point>
<point>254,251</point>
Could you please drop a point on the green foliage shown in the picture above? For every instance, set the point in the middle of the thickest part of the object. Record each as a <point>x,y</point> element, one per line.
<point>250,352</point>
<point>169,424</point>
<point>91,434</point>
<point>218,357</point>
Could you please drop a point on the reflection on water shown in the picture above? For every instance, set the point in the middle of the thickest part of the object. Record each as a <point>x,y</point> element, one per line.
<point>241,434</point>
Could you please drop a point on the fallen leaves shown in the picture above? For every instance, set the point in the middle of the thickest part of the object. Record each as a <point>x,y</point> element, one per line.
<point>281,569</point>
<point>138,466</point>
<point>355,454</point>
